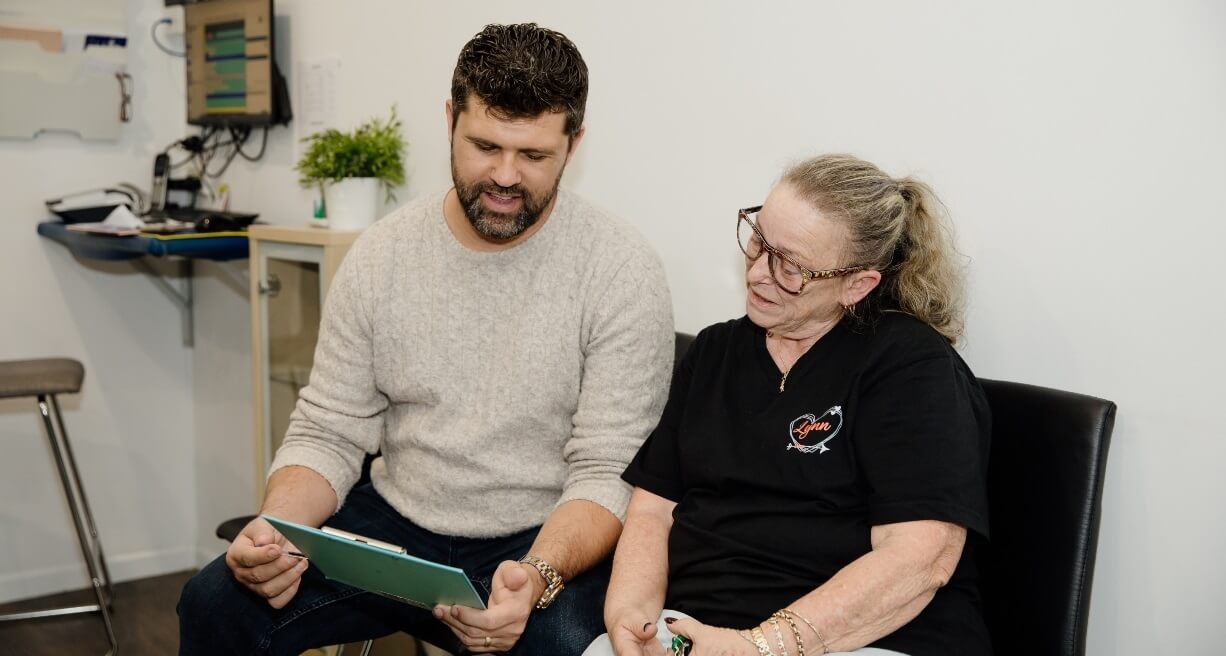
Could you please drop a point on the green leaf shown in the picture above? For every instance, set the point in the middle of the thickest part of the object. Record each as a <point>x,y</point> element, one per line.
<point>375,149</point>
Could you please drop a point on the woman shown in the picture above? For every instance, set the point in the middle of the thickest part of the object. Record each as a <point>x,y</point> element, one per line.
<point>816,483</point>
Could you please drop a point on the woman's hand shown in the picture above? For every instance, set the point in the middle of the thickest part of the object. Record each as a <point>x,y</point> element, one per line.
<point>634,635</point>
<point>713,640</point>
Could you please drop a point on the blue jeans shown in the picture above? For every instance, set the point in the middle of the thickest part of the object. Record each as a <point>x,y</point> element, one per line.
<point>218,615</point>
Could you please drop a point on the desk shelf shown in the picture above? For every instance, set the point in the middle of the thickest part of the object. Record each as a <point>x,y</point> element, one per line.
<point>221,247</point>
<point>182,248</point>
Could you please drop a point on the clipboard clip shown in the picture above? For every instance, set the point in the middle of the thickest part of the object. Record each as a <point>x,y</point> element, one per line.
<point>378,544</point>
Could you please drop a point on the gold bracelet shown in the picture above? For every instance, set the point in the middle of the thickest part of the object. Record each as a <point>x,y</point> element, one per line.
<point>783,650</point>
<point>744,633</point>
<point>759,640</point>
<point>825,649</point>
<point>800,642</point>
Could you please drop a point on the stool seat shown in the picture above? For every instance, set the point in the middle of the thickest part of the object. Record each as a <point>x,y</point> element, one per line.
<point>37,377</point>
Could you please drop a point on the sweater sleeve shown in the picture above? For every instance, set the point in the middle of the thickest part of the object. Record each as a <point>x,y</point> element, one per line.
<point>339,415</point>
<point>628,359</point>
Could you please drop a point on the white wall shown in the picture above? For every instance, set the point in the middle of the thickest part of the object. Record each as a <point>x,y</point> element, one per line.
<point>132,424</point>
<point>1078,145</point>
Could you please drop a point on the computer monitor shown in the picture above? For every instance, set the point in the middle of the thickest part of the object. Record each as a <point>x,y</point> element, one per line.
<point>231,77</point>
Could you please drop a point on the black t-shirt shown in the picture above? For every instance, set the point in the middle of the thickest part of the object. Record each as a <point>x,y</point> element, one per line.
<point>777,491</point>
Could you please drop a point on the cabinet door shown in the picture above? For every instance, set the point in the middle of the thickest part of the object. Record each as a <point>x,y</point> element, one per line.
<point>291,299</point>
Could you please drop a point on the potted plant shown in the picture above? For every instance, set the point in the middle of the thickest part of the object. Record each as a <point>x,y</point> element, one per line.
<point>348,168</point>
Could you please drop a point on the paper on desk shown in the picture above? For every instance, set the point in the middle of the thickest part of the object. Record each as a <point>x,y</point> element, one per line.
<point>122,217</point>
<point>119,223</point>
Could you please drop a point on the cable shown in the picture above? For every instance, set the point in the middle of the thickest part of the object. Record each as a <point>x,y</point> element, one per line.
<point>153,32</point>
<point>263,145</point>
<point>224,166</point>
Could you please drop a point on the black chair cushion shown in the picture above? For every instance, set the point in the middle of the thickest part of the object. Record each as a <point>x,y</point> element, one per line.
<point>229,529</point>
<point>35,377</point>
<point>1045,482</point>
<point>681,346</point>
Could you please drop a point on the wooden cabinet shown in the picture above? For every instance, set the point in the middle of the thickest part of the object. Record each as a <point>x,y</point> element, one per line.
<point>291,269</point>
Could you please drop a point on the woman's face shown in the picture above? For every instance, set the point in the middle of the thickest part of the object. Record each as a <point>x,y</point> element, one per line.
<point>814,241</point>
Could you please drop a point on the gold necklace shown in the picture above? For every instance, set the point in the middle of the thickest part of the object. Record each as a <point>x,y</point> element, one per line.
<point>782,381</point>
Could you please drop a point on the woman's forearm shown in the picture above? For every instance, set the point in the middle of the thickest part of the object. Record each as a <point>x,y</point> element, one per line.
<point>640,564</point>
<point>881,591</point>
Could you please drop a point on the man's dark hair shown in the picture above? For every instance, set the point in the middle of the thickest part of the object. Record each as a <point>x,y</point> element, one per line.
<point>522,71</point>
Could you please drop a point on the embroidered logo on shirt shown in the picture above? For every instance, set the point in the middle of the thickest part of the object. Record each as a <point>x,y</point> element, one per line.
<point>810,428</point>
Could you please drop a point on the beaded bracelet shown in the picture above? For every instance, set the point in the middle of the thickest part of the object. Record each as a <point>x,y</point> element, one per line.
<point>825,649</point>
<point>800,642</point>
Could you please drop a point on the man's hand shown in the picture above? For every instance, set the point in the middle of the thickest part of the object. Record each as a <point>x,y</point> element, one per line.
<point>635,635</point>
<point>513,593</point>
<point>260,560</point>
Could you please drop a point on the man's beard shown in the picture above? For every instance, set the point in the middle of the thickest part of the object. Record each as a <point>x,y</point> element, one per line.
<point>498,226</point>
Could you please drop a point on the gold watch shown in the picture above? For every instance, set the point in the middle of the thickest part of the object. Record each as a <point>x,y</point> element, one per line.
<point>553,580</point>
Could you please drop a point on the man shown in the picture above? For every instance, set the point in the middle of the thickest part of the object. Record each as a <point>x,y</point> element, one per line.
<point>506,348</point>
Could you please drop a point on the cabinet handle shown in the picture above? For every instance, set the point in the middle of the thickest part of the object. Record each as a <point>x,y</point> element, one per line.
<point>271,287</point>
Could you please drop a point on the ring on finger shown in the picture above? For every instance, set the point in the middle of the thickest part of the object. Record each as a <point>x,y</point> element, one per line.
<point>488,640</point>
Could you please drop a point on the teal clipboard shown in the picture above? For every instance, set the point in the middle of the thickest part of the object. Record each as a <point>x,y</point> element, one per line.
<point>414,581</point>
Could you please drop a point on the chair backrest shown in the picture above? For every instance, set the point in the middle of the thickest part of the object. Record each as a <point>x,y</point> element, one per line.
<point>681,345</point>
<point>1045,484</point>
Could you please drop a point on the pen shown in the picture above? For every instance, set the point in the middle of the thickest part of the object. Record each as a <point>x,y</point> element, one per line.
<point>295,554</point>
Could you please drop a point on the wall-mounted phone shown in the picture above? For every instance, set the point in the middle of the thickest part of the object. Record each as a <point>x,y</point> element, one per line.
<point>161,175</point>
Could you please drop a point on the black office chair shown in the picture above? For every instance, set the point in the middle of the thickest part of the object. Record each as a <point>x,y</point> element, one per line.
<point>1045,485</point>
<point>680,347</point>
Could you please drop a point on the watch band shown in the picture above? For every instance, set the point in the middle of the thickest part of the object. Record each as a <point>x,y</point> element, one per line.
<point>553,580</point>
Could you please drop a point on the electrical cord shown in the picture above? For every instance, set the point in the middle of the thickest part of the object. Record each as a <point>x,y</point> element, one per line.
<point>209,145</point>
<point>234,148</point>
<point>263,144</point>
<point>153,32</point>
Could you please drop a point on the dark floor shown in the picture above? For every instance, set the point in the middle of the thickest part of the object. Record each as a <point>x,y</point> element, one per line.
<point>143,613</point>
<point>145,624</point>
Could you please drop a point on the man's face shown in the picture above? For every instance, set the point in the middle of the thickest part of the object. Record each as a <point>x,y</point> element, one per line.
<point>506,172</point>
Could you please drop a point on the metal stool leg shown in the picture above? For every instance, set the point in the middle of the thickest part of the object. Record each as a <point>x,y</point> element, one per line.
<point>90,547</point>
<point>89,515</point>
<point>60,448</point>
<point>340,649</point>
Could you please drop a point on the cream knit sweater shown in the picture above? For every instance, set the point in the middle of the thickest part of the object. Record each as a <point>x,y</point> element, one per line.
<point>496,385</point>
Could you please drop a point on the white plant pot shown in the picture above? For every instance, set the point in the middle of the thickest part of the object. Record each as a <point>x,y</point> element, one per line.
<point>352,203</point>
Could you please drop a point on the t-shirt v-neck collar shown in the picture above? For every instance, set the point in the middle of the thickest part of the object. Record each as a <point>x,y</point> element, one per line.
<point>803,364</point>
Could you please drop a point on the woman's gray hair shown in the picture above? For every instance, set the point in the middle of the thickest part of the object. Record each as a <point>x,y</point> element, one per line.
<point>897,227</point>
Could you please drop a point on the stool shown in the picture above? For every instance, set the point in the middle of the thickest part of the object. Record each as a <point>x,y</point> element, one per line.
<point>45,379</point>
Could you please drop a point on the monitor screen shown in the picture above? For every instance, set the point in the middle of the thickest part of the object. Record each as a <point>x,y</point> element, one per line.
<point>230,71</point>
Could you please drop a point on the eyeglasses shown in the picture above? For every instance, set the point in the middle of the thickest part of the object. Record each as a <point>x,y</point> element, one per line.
<point>125,96</point>
<point>786,272</point>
